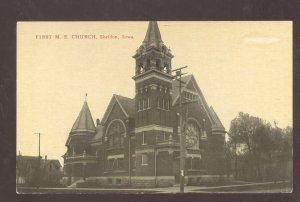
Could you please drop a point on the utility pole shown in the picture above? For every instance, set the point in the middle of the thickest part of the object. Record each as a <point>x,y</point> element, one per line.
<point>39,161</point>
<point>129,150</point>
<point>181,134</point>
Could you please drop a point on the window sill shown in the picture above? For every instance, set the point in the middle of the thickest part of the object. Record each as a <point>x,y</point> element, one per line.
<point>163,109</point>
<point>115,171</point>
<point>140,110</point>
<point>117,147</point>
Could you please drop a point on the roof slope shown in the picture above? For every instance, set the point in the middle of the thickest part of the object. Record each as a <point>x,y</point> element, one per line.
<point>175,86</point>
<point>99,134</point>
<point>84,121</point>
<point>53,162</point>
<point>218,124</point>
<point>213,117</point>
<point>127,104</point>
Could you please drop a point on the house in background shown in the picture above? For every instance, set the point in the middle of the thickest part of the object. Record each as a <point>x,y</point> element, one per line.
<point>27,171</point>
<point>137,141</point>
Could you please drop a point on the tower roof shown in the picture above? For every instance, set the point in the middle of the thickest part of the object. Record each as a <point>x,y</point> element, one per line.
<point>153,37</point>
<point>84,121</point>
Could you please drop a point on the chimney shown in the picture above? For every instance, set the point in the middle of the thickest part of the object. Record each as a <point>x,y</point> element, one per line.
<point>98,122</point>
<point>45,157</point>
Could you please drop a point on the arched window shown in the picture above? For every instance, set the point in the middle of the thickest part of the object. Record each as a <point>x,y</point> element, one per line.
<point>143,138</point>
<point>188,163</point>
<point>166,68</point>
<point>158,64</point>
<point>148,64</point>
<point>139,104</point>
<point>144,159</point>
<point>140,68</point>
<point>192,134</point>
<point>116,134</point>
<point>164,50</point>
<point>164,136</point>
<point>196,163</point>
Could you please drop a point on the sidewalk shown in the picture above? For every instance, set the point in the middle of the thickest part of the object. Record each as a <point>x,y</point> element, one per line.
<point>201,189</point>
<point>265,187</point>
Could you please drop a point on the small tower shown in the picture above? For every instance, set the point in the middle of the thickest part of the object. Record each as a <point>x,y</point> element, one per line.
<point>77,144</point>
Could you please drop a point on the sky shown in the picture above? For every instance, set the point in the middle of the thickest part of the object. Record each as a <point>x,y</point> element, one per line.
<point>239,66</point>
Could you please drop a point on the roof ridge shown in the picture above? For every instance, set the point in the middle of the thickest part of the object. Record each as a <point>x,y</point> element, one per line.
<point>123,96</point>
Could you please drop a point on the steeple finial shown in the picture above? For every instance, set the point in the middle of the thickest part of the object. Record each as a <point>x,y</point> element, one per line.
<point>85,96</point>
<point>153,37</point>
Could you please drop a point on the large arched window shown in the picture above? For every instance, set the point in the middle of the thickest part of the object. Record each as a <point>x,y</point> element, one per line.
<point>116,134</point>
<point>192,133</point>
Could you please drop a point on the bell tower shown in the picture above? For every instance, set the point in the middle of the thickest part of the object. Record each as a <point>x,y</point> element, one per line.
<point>153,98</point>
<point>153,54</point>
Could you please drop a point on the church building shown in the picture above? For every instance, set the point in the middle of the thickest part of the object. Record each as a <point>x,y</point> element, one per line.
<point>136,142</point>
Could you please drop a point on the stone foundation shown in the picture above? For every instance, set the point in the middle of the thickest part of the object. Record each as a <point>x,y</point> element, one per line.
<point>143,181</point>
<point>151,181</point>
<point>165,181</point>
<point>66,181</point>
<point>137,181</point>
<point>206,179</point>
<point>110,180</point>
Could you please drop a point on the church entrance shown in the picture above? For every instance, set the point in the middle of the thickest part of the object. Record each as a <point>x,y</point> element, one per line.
<point>176,167</point>
<point>177,178</point>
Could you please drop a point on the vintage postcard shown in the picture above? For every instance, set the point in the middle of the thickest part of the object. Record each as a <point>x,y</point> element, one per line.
<point>154,107</point>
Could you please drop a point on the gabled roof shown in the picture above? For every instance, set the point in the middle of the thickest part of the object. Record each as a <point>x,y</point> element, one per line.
<point>24,160</point>
<point>126,104</point>
<point>53,162</point>
<point>153,37</point>
<point>84,121</point>
<point>187,80</point>
<point>175,86</point>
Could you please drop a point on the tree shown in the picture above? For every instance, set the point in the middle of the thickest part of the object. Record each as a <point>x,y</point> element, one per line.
<point>253,136</point>
<point>257,141</point>
<point>286,153</point>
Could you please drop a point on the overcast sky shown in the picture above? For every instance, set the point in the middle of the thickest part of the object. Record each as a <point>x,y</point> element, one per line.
<point>239,66</point>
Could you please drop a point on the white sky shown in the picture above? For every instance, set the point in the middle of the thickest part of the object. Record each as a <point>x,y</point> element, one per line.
<point>239,66</point>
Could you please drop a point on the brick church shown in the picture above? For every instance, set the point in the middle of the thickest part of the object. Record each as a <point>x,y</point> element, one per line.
<point>137,142</point>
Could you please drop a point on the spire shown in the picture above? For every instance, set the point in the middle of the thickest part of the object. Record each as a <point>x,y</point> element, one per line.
<point>153,37</point>
<point>84,121</point>
<point>153,54</point>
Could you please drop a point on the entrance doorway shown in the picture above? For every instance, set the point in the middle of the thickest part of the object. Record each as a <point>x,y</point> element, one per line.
<point>176,167</point>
